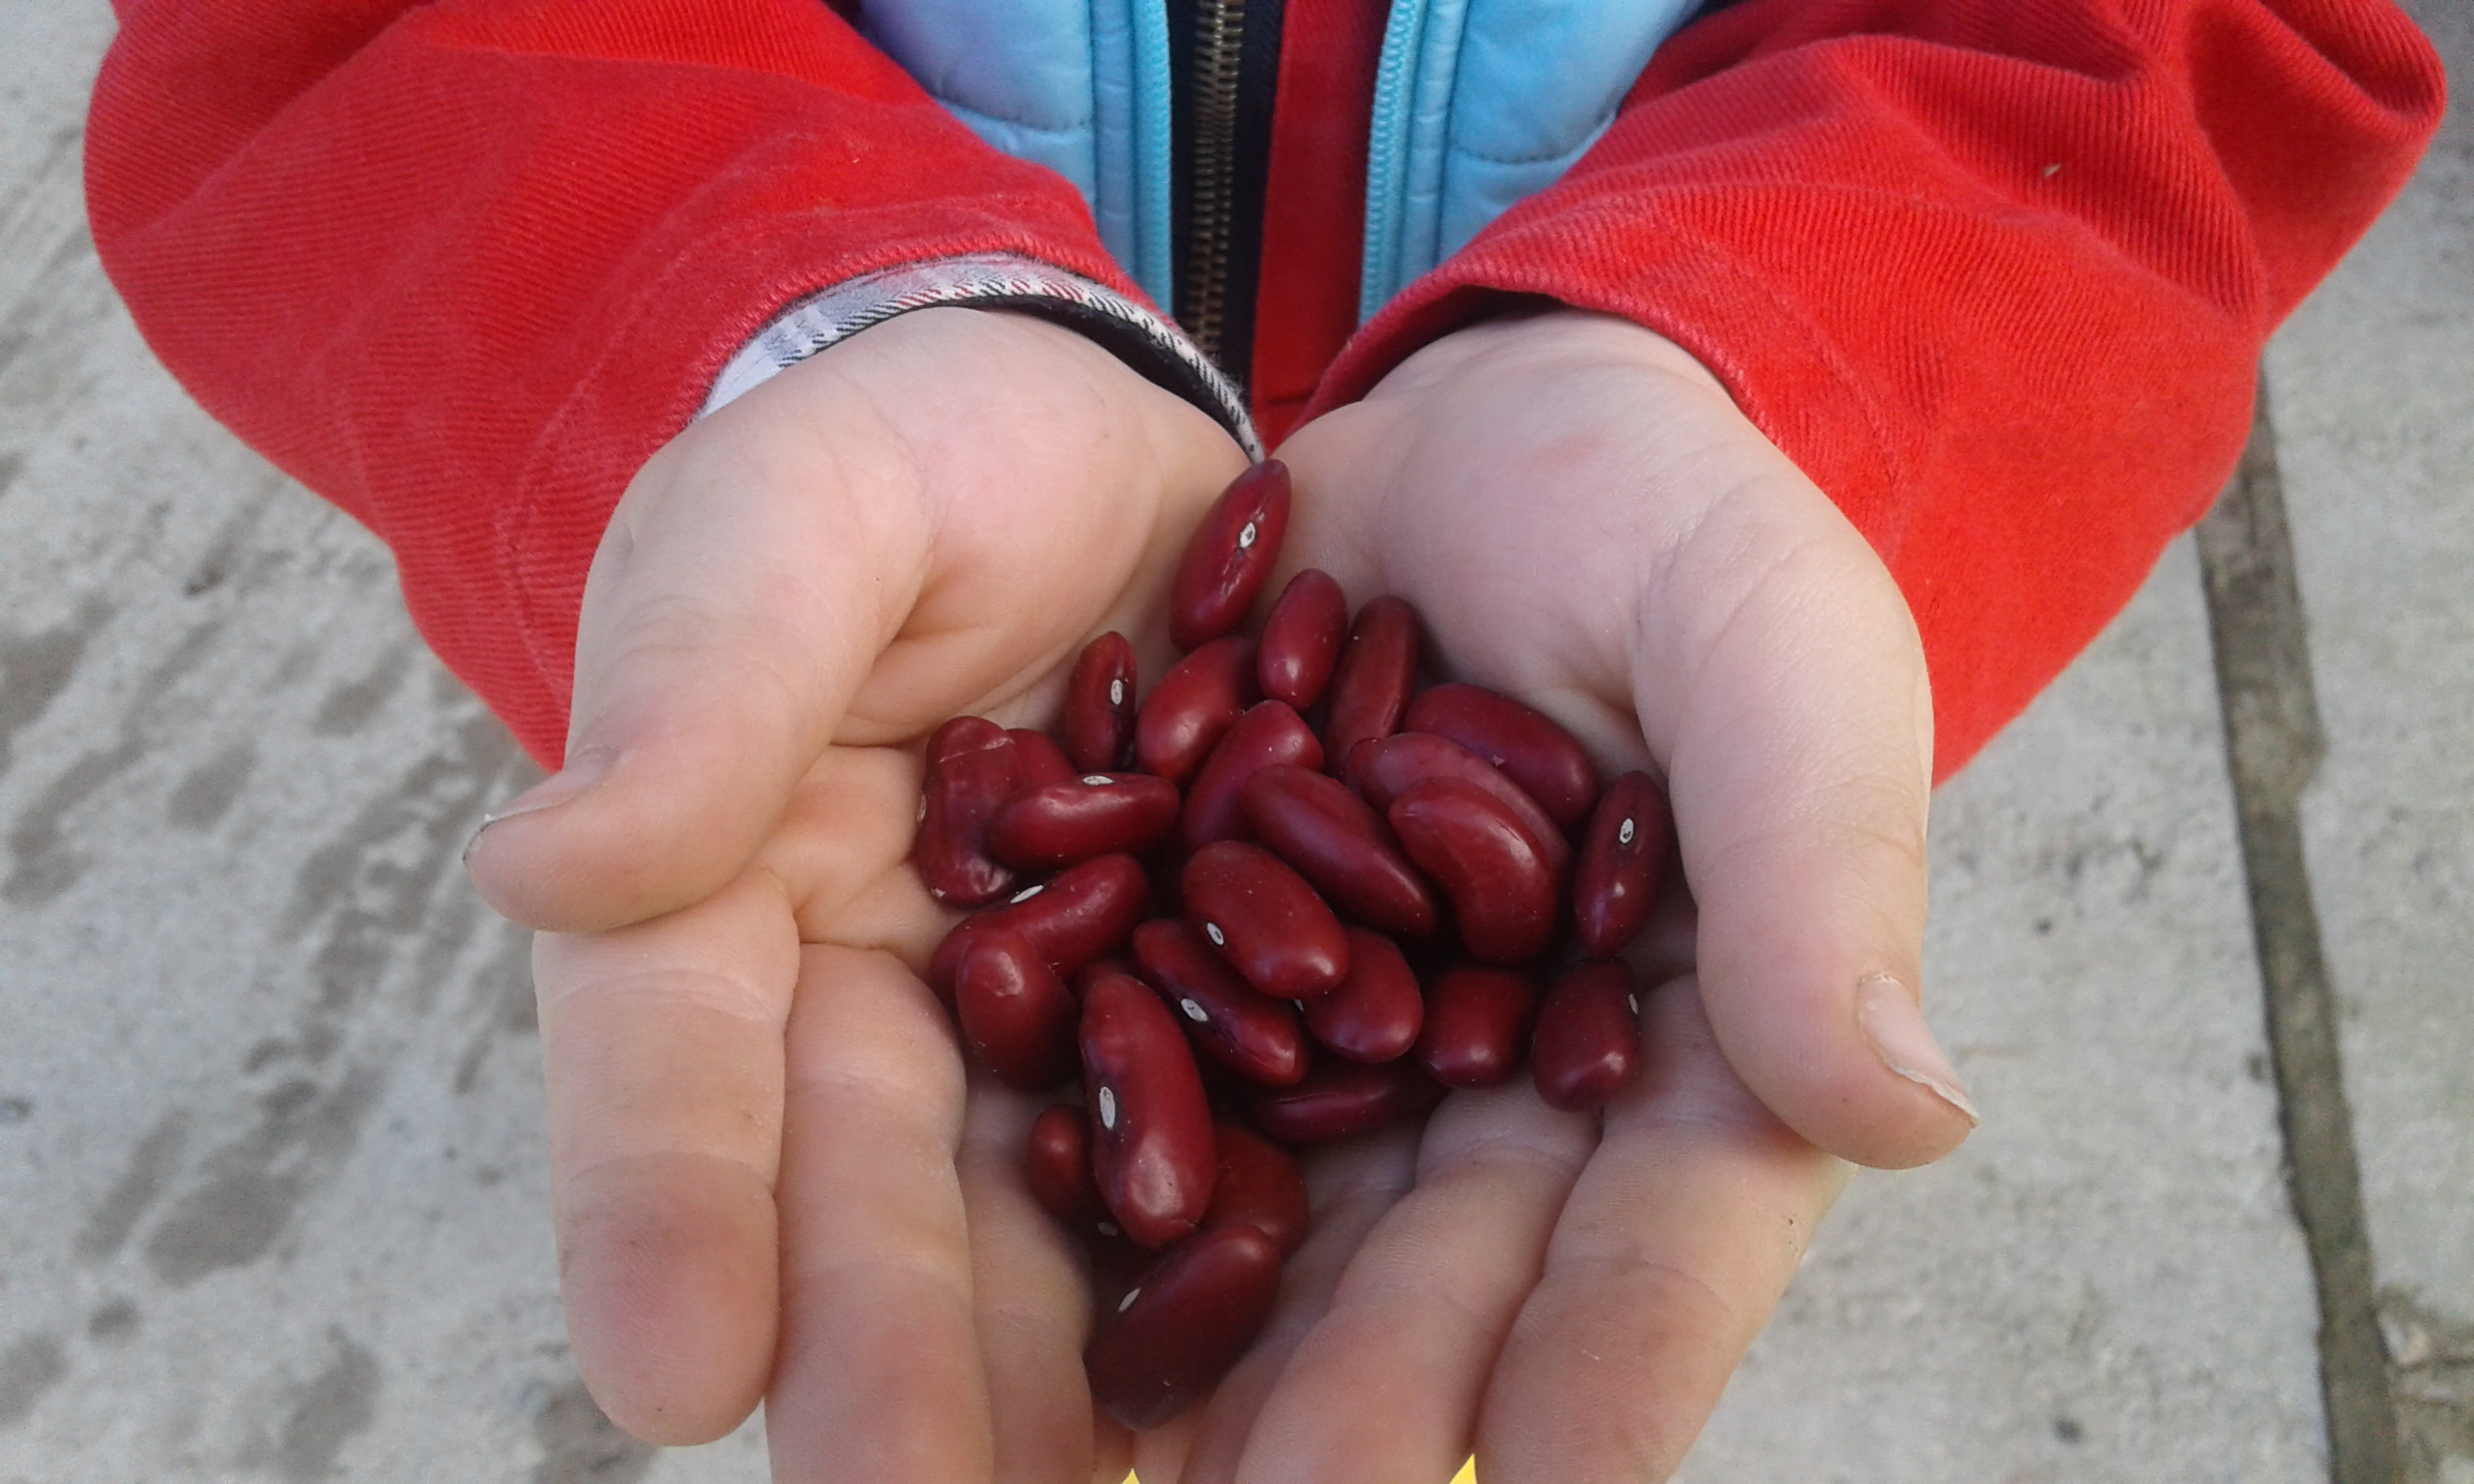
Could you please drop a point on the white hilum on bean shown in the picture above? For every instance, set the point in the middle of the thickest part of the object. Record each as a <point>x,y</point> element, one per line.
<point>1193,1012</point>
<point>1097,780</point>
<point>1026,893</point>
<point>1108,1108</point>
<point>1127,1302</point>
<point>1116,693</point>
<point>1624,835</point>
<point>1219,939</point>
<point>1246,537</point>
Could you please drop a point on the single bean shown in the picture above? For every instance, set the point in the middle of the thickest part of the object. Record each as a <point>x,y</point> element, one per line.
<point>1057,1167</point>
<point>1340,845</point>
<point>1340,1099</point>
<point>1263,918</point>
<point>1229,1021</point>
<point>1230,556</point>
<point>1098,814</point>
<point>970,774</point>
<point>1501,890</point>
<point>1270,732</point>
<point>1549,762</point>
<point>1301,641</point>
<point>1623,856</point>
<point>1588,1042</point>
<point>1080,913</point>
<point>1099,705</point>
<point>1038,761</point>
<point>1199,697</point>
<point>1370,688</point>
<point>1259,1184</point>
<point>1186,1321</point>
<point>1477,1026</point>
<point>947,960</point>
<point>1017,1014</point>
<point>1152,1151</point>
<point>1116,1267</point>
<point>1383,770</point>
<point>1375,1014</point>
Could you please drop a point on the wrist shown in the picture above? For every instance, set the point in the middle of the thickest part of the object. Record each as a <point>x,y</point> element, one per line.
<point>1141,340</point>
<point>1546,339</point>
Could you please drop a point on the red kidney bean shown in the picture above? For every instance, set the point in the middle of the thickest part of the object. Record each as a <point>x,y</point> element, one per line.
<point>1200,698</point>
<point>947,959</point>
<point>1081,913</point>
<point>1375,1014</point>
<point>1229,557</point>
<point>1263,918</point>
<point>1258,1185</point>
<point>1477,1026</point>
<point>1535,751</point>
<point>1116,1267</point>
<point>1269,733</point>
<point>1301,640</point>
<point>1385,769</point>
<point>1098,813</point>
<point>1152,1150</point>
<point>1038,761</point>
<point>1588,1041</point>
<point>1340,845</point>
<point>1622,855</point>
<point>1503,892</point>
<point>1016,1013</point>
<point>1099,705</point>
<point>1186,1321</point>
<point>1229,1021</point>
<point>1340,1099</point>
<point>1058,1168</point>
<point>970,774</point>
<point>1371,687</point>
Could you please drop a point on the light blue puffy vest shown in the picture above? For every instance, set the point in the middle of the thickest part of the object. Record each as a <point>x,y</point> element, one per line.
<point>1477,103</point>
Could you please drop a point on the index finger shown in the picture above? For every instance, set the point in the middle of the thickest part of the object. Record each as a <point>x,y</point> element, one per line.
<point>662,1049</point>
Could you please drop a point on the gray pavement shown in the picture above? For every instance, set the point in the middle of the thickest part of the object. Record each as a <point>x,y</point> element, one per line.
<point>270,1124</point>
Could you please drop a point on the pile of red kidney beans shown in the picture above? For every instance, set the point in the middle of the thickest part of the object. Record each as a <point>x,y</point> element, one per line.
<point>1289,898</point>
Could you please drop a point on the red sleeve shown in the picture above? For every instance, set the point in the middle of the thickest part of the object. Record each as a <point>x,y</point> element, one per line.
<point>463,266</point>
<point>1995,275</point>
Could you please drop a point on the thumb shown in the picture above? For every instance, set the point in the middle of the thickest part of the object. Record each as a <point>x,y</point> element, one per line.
<point>1800,755</point>
<point>744,587</point>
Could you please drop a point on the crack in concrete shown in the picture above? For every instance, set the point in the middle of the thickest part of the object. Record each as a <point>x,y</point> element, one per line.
<point>2273,744</point>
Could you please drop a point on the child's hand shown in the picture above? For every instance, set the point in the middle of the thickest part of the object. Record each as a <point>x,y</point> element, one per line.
<point>1587,522</point>
<point>924,522</point>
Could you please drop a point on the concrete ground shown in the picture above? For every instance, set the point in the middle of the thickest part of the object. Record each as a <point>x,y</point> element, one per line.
<point>270,1122</point>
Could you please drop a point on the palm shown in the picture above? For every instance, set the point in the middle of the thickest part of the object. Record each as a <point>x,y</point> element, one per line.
<point>1587,522</point>
<point>769,1174</point>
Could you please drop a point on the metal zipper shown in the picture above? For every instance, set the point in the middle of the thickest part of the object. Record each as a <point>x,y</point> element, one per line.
<point>1220,28</point>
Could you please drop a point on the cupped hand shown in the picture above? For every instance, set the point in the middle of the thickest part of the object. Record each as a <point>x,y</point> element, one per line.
<point>769,1169</point>
<point>1588,522</point>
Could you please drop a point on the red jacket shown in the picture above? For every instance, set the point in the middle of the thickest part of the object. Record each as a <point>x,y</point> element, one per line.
<point>1997,275</point>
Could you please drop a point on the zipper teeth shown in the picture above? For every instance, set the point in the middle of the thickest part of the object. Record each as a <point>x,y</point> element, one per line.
<point>1215,170</point>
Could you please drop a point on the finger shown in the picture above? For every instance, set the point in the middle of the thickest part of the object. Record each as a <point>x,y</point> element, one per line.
<point>1667,1259</point>
<point>1032,1302</point>
<point>878,1378</point>
<point>1387,1385</point>
<point>1787,691</point>
<point>743,588</point>
<point>662,1049</point>
<point>1349,1185</point>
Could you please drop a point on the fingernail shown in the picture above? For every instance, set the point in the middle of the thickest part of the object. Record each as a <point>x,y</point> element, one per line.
<point>1888,1014</point>
<point>584,771</point>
